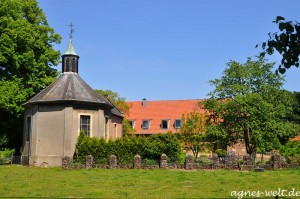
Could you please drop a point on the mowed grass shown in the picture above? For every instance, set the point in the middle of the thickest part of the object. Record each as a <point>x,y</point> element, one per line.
<point>22,182</point>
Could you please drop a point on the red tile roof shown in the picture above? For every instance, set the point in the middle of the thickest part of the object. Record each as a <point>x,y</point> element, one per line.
<point>156,111</point>
<point>297,138</point>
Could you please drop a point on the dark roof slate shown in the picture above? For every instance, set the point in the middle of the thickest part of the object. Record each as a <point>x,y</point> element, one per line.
<point>69,87</point>
<point>115,110</point>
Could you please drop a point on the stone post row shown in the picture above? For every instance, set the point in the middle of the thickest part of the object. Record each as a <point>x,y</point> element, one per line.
<point>66,162</point>
<point>163,161</point>
<point>188,165</point>
<point>113,162</point>
<point>89,162</point>
<point>137,162</point>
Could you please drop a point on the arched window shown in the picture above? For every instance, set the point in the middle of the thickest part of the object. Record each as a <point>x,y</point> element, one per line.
<point>74,65</point>
<point>67,65</point>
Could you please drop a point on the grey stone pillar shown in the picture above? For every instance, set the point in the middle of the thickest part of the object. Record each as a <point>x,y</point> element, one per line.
<point>137,162</point>
<point>89,162</point>
<point>66,162</point>
<point>215,161</point>
<point>163,161</point>
<point>247,159</point>
<point>231,159</point>
<point>276,160</point>
<point>113,162</point>
<point>188,165</point>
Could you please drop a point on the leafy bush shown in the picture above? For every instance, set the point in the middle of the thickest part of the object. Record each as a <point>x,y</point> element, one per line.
<point>125,149</point>
<point>221,152</point>
<point>5,155</point>
<point>163,143</point>
<point>294,159</point>
<point>149,162</point>
<point>203,159</point>
<point>291,151</point>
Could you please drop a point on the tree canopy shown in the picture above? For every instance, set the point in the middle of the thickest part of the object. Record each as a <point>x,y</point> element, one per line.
<point>121,104</point>
<point>192,131</point>
<point>116,99</point>
<point>286,41</point>
<point>249,105</point>
<point>27,58</point>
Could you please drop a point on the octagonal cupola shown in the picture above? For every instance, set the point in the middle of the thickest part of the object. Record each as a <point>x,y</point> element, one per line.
<point>70,59</point>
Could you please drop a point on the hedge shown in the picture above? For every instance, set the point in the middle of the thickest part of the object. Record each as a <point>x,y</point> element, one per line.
<point>126,148</point>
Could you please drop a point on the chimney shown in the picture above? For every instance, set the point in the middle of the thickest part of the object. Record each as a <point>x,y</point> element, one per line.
<point>144,102</point>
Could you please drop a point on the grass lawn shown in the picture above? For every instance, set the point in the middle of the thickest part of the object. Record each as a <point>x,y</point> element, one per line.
<point>18,181</point>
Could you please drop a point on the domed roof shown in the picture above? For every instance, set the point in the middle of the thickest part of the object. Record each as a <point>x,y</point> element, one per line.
<point>69,87</point>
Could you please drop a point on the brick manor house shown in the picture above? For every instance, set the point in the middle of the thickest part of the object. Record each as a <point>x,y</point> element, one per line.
<point>153,117</point>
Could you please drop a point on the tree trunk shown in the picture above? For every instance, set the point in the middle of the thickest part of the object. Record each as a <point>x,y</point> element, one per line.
<point>247,140</point>
<point>250,148</point>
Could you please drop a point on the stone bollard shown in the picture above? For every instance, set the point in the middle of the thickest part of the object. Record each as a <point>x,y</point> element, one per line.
<point>276,160</point>
<point>188,165</point>
<point>248,159</point>
<point>283,162</point>
<point>231,160</point>
<point>89,162</point>
<point>137,162</point>
<point>163,161</point>
<point>214,161</point>
<point>66,162</point>
<point>113,162</point>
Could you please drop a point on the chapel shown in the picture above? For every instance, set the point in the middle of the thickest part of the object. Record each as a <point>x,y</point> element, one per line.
<point>55,116</point>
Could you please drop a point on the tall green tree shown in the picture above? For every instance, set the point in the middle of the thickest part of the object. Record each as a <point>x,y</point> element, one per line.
<point>192,131</point>
<point>295,117</point>
<point>248,104</point>
<point>27,58</point>
<point>286,42</point>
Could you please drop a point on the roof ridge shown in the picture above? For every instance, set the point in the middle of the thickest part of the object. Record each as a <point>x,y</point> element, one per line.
<point>168,100</point>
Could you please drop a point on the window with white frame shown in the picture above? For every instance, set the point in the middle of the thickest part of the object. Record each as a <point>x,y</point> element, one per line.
<point>146,124</point>
<point>85,123</point>
<point>132,123</point>
<point>164,124</point>
<point>177,124</point>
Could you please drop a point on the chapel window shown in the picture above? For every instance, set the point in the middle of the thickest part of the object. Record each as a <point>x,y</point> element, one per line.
<point>85,123</point>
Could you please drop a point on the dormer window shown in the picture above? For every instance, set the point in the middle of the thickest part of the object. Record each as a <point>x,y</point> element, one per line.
<point>164,124</point>
<point>146,124</point>
<point>177,124</point>
<point>132,123</point>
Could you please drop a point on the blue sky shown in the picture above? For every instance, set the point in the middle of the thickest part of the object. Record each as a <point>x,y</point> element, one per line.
<point>165,49</point>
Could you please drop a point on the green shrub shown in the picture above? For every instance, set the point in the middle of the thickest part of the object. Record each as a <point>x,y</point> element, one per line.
<point>149,162</point>
<point>291,151</point>
<point>221,152</point>
<point>204,159</point>
<point>125,149</point>
<point>294,159</point>
<point>7,153</point>
<point>164,143</point>
<point>291,148</point>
